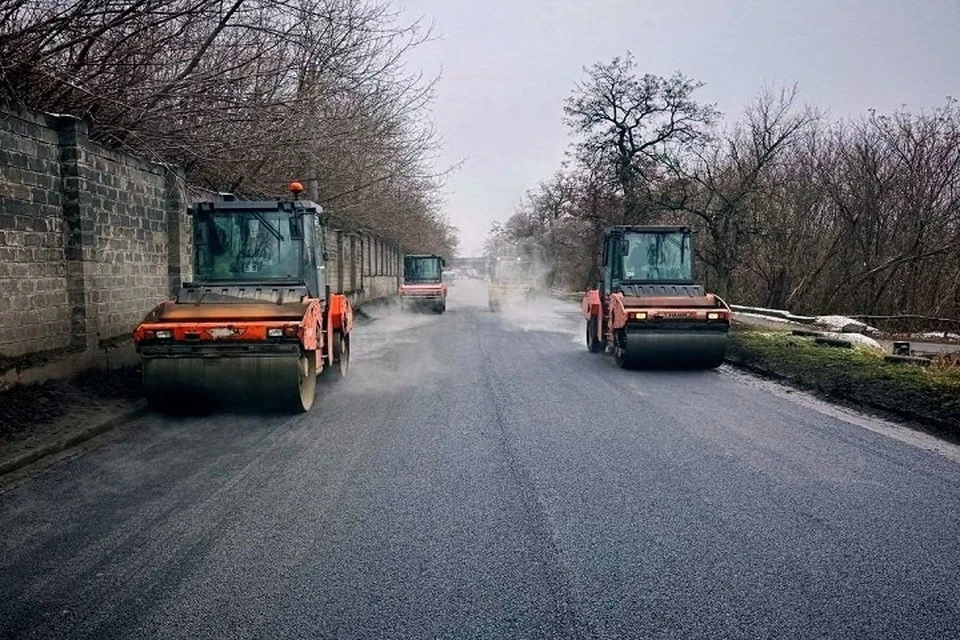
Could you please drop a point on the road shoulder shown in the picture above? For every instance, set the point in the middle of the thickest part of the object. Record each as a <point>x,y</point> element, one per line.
<point>42,420</point>
<point>927,399</point>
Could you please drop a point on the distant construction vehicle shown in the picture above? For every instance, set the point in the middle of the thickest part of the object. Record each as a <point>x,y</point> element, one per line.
<point>512,278</point>
<point>423,285</point>
<point>257,323</point>
<point>648,310</point>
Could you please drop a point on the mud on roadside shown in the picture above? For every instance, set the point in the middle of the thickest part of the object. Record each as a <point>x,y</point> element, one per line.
<point>26,411</point>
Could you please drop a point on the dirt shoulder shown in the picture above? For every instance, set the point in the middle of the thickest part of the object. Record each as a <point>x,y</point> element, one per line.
<point>927,395</point>
<point>42,419</point>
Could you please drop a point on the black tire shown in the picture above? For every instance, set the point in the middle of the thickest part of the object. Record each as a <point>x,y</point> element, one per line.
<point>594,344</point>
<point>344,356</point>
<point>619,357</point>
<point>620,353</point>
<point>341,357</point>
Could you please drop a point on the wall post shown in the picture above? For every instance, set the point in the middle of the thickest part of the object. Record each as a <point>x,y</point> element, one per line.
<point>79,229</point>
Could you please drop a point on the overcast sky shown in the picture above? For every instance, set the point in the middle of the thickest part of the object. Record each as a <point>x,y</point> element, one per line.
<point>507,66</point>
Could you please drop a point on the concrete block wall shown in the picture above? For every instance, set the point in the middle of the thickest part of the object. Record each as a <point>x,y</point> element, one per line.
<point>333,261</point>
<point>362,265</point>
<point>381,268</point>
<point>128,255</point>
<point>35,313</point>
<point>90,240</point>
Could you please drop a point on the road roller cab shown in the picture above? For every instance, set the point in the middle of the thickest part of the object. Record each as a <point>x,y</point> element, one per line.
<point>257,323</point>
<point>512,279</point>
<point>648,310</point>
<point>423,284</point>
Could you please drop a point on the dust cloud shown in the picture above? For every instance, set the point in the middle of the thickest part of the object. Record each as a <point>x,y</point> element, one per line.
<point>540,311</point>
<point>390,350</point>
<point>395,350</point>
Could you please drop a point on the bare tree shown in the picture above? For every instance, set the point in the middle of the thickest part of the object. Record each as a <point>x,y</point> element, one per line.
<point>722,187</point>
<point>635,125</point>
<point>245,94</point>
<point>855,217</point>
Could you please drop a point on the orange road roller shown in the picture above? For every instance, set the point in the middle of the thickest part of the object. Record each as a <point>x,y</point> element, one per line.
<point>648,310</point>
<point>257,324</point>
<point>423,286</point>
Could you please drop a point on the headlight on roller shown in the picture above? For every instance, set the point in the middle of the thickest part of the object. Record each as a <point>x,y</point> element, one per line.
<point>713,315</point>
<point>275,333</point>
<point>163,334</point>
<point>640,315</point>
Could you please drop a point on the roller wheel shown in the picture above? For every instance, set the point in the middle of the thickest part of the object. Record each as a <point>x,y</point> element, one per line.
<point>162,400</point>
<point>307,381</point>
<point>620,353</point>
<point>341,355</point>
<point>594,344</point>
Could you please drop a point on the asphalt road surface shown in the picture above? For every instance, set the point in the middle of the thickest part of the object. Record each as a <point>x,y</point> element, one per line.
<point>482,475</point>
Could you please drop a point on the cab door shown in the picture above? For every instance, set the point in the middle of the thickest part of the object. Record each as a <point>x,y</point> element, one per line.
<point>612,264</point>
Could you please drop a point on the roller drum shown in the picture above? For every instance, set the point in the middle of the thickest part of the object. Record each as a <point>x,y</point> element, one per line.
<point>284,382</point>
<point>666,349</point>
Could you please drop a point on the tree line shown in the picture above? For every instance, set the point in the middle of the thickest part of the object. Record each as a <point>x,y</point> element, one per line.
<point>790,210</point>
<point>245,95</point>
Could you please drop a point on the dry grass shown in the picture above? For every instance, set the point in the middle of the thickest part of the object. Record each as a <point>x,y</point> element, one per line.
<point>948,363</point>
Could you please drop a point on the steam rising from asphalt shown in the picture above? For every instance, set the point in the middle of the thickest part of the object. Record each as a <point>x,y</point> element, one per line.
<point>395,350</point>
<point>384,355</point>
<point>542,312</point>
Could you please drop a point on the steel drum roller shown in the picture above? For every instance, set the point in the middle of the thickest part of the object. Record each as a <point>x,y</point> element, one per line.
<point>281,381</point>
<point>674,349</point>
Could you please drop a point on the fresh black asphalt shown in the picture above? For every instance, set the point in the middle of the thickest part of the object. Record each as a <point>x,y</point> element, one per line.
<point>482,475</point>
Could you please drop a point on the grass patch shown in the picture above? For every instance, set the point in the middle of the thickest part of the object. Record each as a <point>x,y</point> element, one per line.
<point>930,395</point>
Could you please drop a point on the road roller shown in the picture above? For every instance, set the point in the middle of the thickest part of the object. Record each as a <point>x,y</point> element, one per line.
<point>258,324</point>
<point>423,286</point>
<point>648,310</point>
<point>512,279</point>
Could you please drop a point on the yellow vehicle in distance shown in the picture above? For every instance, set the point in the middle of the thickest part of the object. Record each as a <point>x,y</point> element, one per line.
<point>512,279</point>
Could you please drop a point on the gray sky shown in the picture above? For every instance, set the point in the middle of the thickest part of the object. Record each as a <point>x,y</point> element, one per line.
<point>507,66</point>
